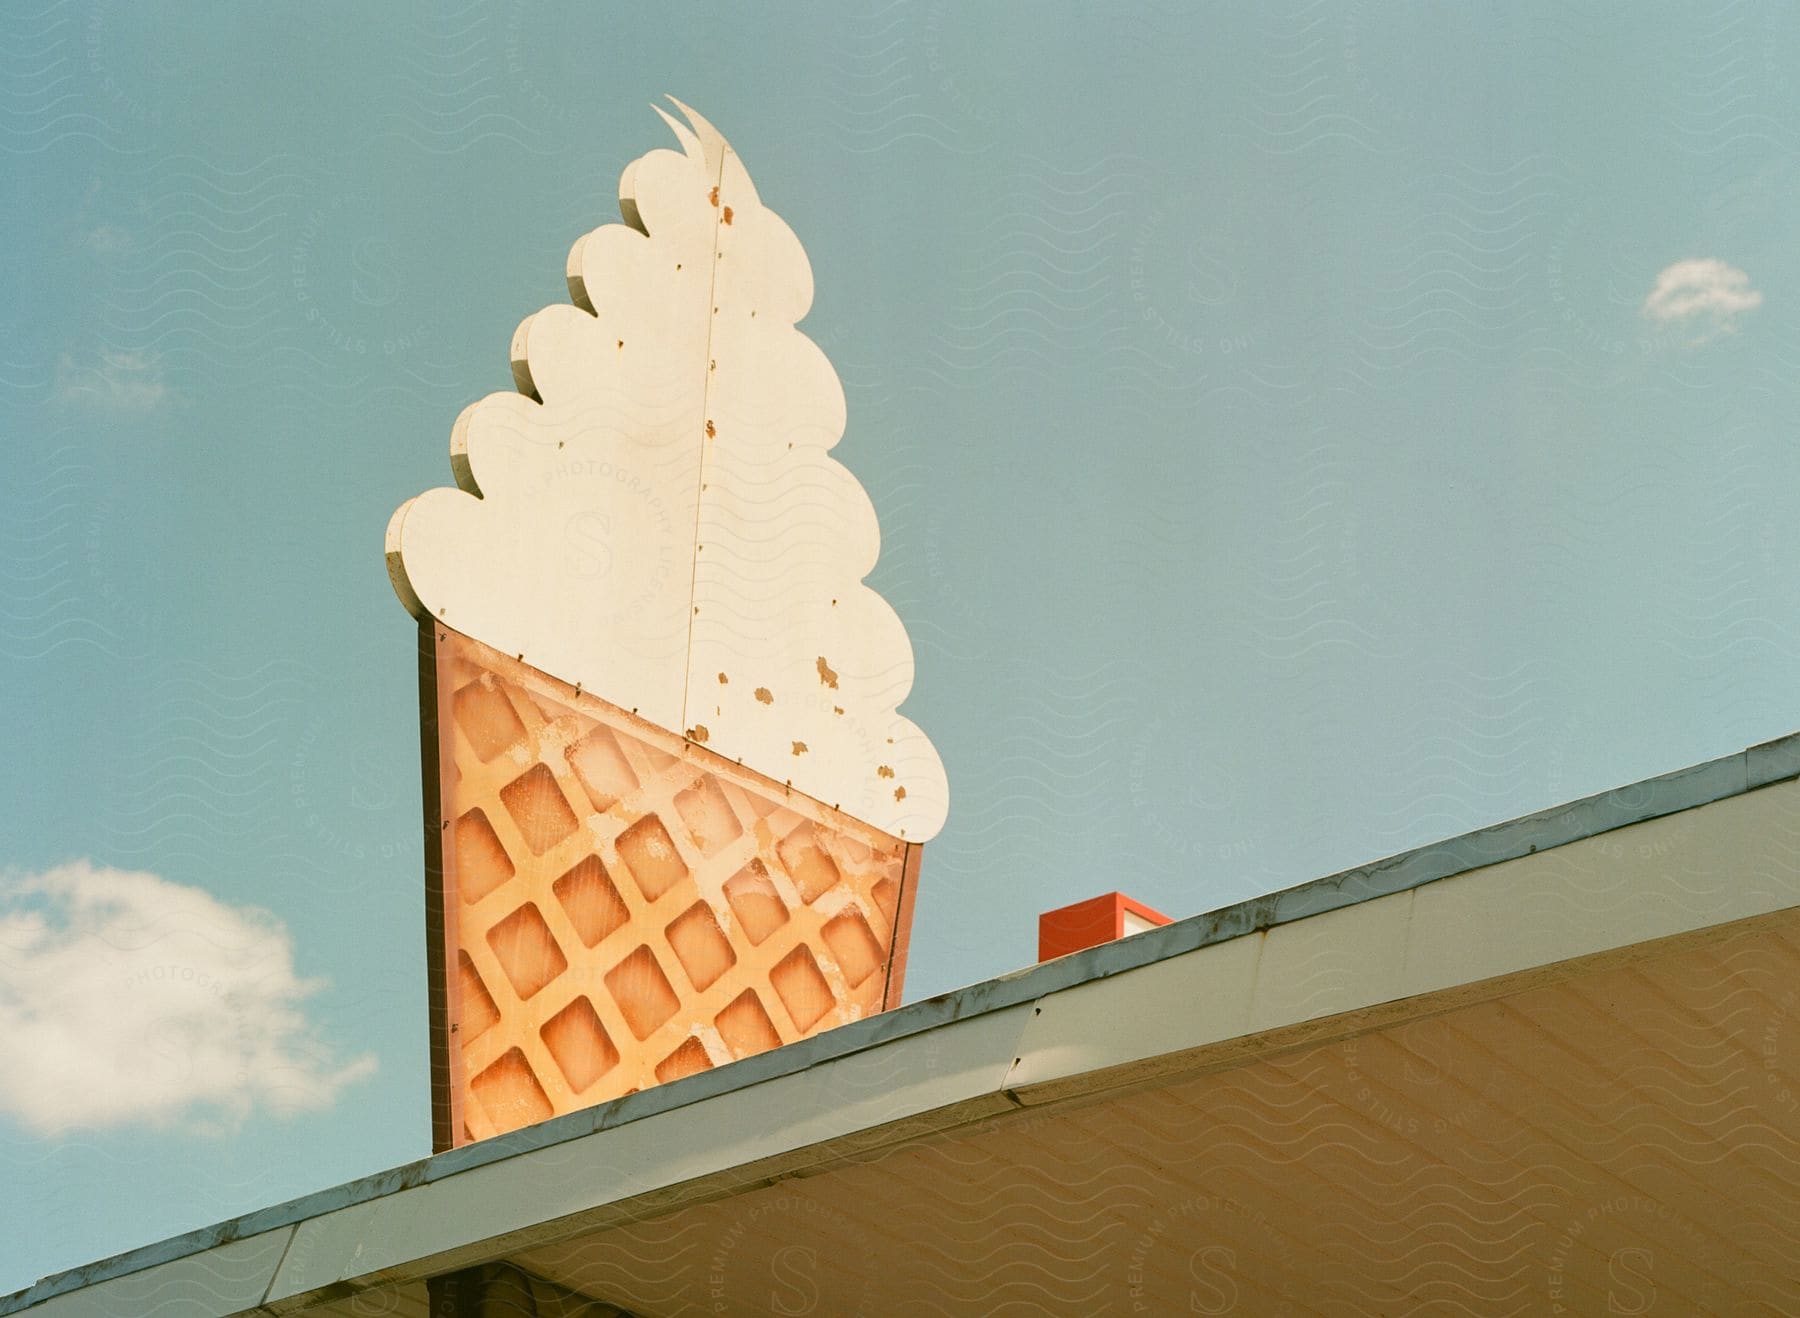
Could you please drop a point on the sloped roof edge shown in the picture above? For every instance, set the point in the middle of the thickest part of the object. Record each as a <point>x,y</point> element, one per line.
<point>1684,789</point>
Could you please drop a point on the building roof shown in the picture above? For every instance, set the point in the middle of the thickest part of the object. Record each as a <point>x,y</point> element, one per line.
<point>1489,1068</point>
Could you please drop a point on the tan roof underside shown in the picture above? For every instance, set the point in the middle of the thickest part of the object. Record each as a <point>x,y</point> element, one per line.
<point>1628,1131</point>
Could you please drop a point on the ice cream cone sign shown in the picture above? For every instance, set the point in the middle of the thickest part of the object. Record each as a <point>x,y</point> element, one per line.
<point>677,809</point>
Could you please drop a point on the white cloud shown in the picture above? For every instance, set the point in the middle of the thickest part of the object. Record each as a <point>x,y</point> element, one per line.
<point>1703,291</point>
<point>126,999</point>
<point>127,380</point>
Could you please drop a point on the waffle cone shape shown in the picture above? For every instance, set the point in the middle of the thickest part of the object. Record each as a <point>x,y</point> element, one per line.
<point>613,906</point>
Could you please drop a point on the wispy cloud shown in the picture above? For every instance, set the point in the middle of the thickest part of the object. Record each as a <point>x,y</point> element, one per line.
<point>1703,293</point>
<point>130,381</point>
<point>126,999</point>
<point>109,238</point>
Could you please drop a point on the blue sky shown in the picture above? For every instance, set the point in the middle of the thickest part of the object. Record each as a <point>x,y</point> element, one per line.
<point>1298,432</point>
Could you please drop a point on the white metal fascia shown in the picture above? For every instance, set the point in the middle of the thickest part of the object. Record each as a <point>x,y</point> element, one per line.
<point>229,1278</point>
<point>704,1149</point>
<point>1470,934</point>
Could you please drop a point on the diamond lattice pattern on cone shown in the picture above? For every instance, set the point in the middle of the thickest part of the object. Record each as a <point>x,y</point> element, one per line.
<point>622,908</point>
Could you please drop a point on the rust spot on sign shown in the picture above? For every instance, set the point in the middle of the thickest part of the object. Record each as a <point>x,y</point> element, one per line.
<point>713,196</point>
<point>710,430</point>
<point>837,709</point>
<point>728,215</point>
<point>826,676</point>
<point>698,732</point>
<point>799,748</point>
<point>763,694</point>
<point>723,679</point>
<point>899,793</point>
<point>884,772</point>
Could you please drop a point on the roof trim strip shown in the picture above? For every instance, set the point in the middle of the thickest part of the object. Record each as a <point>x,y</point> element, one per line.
<point>1685,789</point>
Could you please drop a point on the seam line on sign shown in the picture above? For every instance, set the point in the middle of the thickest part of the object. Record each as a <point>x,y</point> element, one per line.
<point>706,375</point>
<point>887,979</point>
